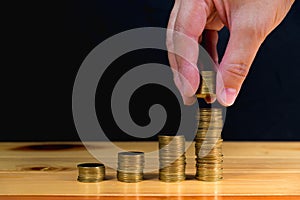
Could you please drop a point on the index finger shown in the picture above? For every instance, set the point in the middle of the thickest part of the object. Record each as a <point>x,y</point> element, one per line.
<point>190,21</point>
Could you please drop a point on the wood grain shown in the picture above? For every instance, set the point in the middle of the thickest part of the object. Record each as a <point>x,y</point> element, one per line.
<point>252,170</point>
<point>150,198</point>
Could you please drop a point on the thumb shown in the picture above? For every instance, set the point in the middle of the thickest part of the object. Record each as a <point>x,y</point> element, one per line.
<point>239,55</point>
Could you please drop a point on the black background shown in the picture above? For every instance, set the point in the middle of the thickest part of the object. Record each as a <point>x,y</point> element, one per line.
<point>44,43</point>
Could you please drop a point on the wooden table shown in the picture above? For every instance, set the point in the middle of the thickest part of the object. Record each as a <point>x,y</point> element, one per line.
<point>252,170</point>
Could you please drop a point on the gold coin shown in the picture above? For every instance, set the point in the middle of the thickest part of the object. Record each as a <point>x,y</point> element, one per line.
<point>130,166</point>
<point>172,158</point>
<point>208,144</point>
<point>91,172</point>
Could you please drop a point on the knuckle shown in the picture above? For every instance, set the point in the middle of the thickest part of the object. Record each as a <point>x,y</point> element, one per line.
<point>252,28</point>
<point>238,71</point>
<point>179,27</point>
<point>182,29</point>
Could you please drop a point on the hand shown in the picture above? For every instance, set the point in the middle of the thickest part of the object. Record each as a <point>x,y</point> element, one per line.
<point>249,23</point>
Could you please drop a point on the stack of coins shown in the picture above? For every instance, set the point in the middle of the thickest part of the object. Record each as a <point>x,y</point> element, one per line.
<point>208,145</point>
<point>207,85</point>
<point>171,158</point>
<point>130,167</point>
<point>91,172</point>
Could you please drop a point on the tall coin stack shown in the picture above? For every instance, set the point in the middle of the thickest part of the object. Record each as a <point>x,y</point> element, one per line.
<point>171,158</point>
<point>208,145</point>
<point>208,84</point>
<point>130,166</point>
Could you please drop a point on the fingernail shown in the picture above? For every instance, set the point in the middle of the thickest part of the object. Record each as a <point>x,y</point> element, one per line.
<point>228,96</point>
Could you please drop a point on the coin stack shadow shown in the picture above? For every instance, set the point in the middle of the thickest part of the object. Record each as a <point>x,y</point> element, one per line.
<point>171,158</point>
<point>208,145</point>
<point>130,166</point>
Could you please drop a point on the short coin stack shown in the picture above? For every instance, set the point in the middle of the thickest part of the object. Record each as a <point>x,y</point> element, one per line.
<point>91,172</point>
<point>207,85</point>
<point>130,166</point>
<point>208,146</point>
<point>171,158</point>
